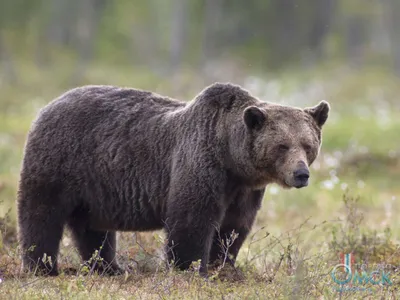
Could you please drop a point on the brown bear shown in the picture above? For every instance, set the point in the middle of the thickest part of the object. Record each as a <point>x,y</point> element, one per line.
<point>101,159</point>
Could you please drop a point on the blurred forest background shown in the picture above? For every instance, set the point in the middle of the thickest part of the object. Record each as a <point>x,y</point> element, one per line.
<point>164,37</point>
<point>291,52</point>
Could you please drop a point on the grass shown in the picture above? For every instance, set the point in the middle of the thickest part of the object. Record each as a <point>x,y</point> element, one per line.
<point>351,204</point>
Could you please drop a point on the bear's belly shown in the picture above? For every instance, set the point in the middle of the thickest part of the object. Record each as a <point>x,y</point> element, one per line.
<point>125,222</point>
<point>131,210</point>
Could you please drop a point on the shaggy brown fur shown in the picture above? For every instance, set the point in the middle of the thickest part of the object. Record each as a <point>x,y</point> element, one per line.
<point>101,159</point>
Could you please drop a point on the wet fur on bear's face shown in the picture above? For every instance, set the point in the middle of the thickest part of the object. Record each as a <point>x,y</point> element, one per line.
<point>271,143</point>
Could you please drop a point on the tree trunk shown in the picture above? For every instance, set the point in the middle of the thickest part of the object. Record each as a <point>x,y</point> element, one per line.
<point>6,60</point>
<point>356,36</point>
<point>287,33</point>
<point>146,39</point>
<point>87,27</point>
<point>42,53</point>
<point>63,17</point>
<point>211,21</point>
<point>321,25</point>
<point>178,33</point>
<point>393,12</point>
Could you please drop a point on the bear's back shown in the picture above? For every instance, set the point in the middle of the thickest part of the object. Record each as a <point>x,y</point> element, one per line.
<point>109,101</point>
<point>99,111</point>
<point>95,137</point>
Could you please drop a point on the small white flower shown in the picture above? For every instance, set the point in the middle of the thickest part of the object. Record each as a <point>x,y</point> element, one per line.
<point>363,150</point>
<point>328,184</point>
<point>335,179</point>
<point>273,190</point>
<point>331,161</point>
<point>361,184</point>
<point>392,154</point>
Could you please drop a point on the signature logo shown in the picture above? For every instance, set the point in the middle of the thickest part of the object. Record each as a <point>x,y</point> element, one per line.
<point>350,278</point>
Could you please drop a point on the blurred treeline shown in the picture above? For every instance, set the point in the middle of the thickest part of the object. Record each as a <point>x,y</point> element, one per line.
<point>165,36</point>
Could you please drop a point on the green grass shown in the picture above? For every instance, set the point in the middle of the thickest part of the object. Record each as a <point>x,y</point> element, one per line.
<point>298,235</point>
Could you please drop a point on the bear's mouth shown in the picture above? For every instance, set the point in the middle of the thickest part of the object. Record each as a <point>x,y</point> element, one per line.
<point>301,185</point>
<point>297,185</point>
<point>285,185</point>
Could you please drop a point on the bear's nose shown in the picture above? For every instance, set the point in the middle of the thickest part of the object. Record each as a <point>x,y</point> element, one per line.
<point>301,177</point>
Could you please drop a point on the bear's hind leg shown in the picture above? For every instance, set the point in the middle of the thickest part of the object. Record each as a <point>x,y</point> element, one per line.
<point>88,241</point>
<point>40,232</point>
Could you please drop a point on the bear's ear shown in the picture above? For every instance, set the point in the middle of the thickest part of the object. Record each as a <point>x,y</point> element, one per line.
<point>254,118</point>
<point>319,112</point>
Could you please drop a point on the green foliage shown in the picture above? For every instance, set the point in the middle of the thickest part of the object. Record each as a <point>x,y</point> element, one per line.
<point>298,234</point>
<point>52,46</point>
<point>264,33</point>
<point>367,245</point>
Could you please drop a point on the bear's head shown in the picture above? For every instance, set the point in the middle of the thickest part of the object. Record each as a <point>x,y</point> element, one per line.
<point>284,141</point>
<point>267,142</point>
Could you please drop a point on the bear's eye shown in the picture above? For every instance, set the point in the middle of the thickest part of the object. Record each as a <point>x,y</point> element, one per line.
<point>283,148</point>
<point>307,148</point>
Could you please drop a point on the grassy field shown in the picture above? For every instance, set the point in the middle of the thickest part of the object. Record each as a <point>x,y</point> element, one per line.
<point>350,206</point>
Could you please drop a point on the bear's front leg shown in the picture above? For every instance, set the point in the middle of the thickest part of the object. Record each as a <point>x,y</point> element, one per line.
<point>194,210</point>
<point>237,223</point>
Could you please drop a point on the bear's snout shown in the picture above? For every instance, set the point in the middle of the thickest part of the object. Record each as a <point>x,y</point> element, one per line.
<point>301,176</point>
